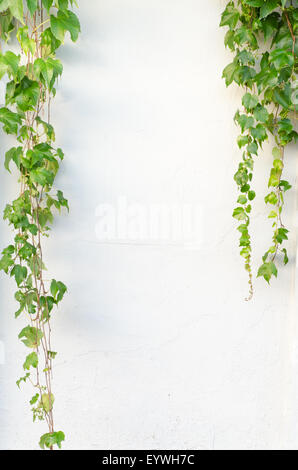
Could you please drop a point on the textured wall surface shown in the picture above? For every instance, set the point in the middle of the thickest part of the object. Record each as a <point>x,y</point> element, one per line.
<point>157,347</point>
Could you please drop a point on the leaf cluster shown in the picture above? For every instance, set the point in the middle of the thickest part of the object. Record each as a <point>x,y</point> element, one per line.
<point>40,27</point>
<point>263,36</point>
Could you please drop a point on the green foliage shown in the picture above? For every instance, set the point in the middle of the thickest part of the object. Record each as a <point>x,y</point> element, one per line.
<point>50,439</point>
<point>22,379</point>
<point>31,336</point>
<point>266,70</point>
<point>47,401</point>
<point>31,361</point>
<point>267,270</point>
<point>32,6</point>
<point>65,20</point>
<point>31,74</point>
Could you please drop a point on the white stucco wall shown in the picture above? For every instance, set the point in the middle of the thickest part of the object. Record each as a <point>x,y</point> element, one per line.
<point>157,347</point>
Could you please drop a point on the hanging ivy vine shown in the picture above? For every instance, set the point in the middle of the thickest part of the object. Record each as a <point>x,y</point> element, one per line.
<point>31,71</point>
<point>263,36</point>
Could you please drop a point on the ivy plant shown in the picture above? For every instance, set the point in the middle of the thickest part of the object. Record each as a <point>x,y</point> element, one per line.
<point>31,72</point>
<point>263,36</point>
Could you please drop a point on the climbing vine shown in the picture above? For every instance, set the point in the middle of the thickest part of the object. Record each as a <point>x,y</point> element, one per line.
<point>31,71</point>
<point>263,36</point>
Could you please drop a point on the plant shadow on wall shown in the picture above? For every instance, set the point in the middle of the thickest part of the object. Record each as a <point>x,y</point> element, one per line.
<point>263,34</point>
<point>40,27</point>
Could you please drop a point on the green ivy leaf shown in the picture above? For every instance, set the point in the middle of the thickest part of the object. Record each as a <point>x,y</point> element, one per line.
<point>270,25</point>
<point>229,72</point>
<point>65,21</point>
<point>52,354</point>
<point>272,215</point>
<point>285,185</point>
<point>22,379</point>
<point>230,17</point>
<point>6,23</point>
<point>239,213</point>
<point>281,58</point>
<point>26,43</point>
<point>62,4</point>
<point>46,402</point>
<point>34,399</point>
<point>32,6</point>
<point>49,43</point>
<point>249,101</point>
<point>47,4</point>
<point>16,8</point>
<point>43,69</point>
<point>259,132</point>
<point>5,263</point>
<point>242,140</point>
<point>60,153</point>
<point>10,121</point>
<point>244,121</point>
<point>50,439</point>
<point>274,178</point>
<point>15,155</point>
<point>271,198</point>
<point>245,57</point>
<point>4,5</point>
<point>241,177</point>
<point>9,63</point>
<point>245,75</point>
<point>48,70</point>
<point>282,98</point>
<point>251,195</point>
<point>285,126</point>
<point>19,272</point>
<point>281,235</point>
<point>42,176</point>
<point>26,94</point>
<point>286,259</point>
<point>267,270</point>
<point>252,148</point>
<point>31,361</point>
<point>245,36</point>
<point>31,336</point>
<point>62,201</point>
<point>58,290</point>
<point>242,199</point>
<point>267,7</point>
<point>278,164</point>
<point>261,114</point>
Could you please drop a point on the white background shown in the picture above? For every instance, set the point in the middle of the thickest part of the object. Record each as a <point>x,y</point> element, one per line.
<point>157,347</point>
